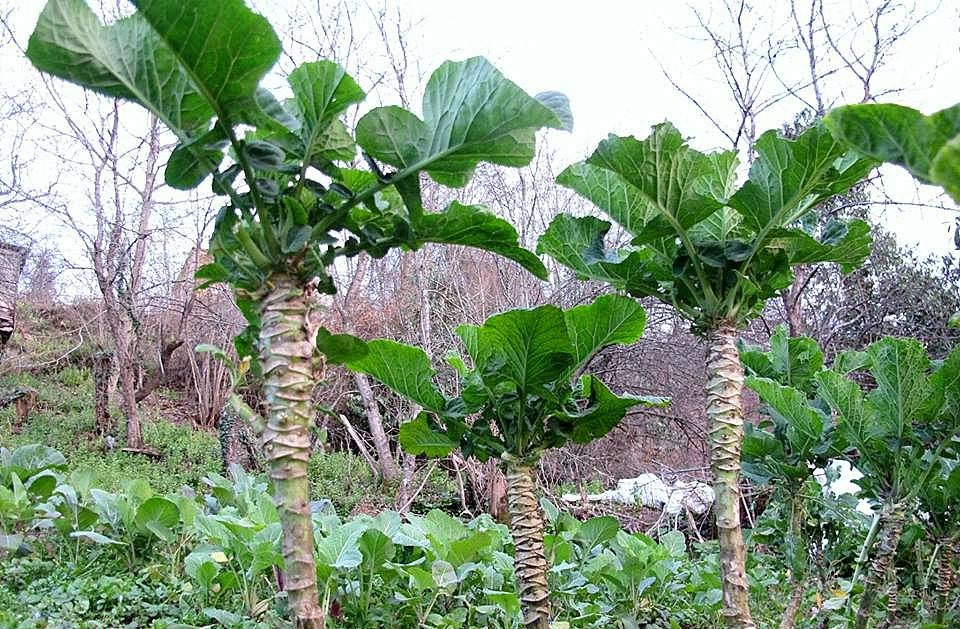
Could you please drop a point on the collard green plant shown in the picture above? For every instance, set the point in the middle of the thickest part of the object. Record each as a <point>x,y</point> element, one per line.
<point>940,500</point>
<point>520,395</point>
<point>896,434</point>
<point>716,253</point>
<point>796,437</point>
<point>294,203</point>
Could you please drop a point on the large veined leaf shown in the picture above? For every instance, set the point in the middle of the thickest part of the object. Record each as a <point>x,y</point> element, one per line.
<point>418,437</point>
<point>792,360</point>
<point>855,422</point>
<point>471,113</point>
<point>927,146</point>
<point>789,177</point>
<point>404,369</point>
<point>608,320</point>
<point>667,186</point>
<point>596,531</point>
<point>474,226</point>
<point>185,62</point>
<point>340,549</point>
<point>533,345</point>
<point>847,246</point>
<point>224,47</point>
<point>30,459</point>
<point>578,243</point>
<point>322,91</point>
<point>158,516</point>
<point>900,369</point>
<point>804,425</point>
<point>340,348</point>
<point>126,59</point>
<point>603,411</point>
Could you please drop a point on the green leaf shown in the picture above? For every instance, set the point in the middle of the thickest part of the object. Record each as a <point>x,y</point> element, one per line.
<point>94,537</point>
<point>31,459</point>
<point>322,91</point>
<point>608,320</point>
<point>578,243</point>
<point>225,618</point>
<point>789,177</point>
<point>790,408</point>
<point>619,199</point>
<point>340,348</point>
<point>596,531</point>
<point>404,369</point>
<point>471,113</point>
<point>603,412</point>
<point>900,368</point>
<point>263,155</point>
<point>125,60</point>
<point>212,273</point>
<point>474,226</point>
<point>417,437</point>
<point>193,161</point>
<point>855,423</point>
<point>444,575</point>
<point>927,146</point>
<point>676,186</point>
<point>792,360</point>
<point>376,548</point>
<point>533,345</point>
<point>224,47</point>
<point>340,550</point>
<point>559,104</point>
<point>157,515</point>
<point>848,252</point>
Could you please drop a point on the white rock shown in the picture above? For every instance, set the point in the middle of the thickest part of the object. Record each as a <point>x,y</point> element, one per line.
<point>693,496</point>
<point>649,490</point>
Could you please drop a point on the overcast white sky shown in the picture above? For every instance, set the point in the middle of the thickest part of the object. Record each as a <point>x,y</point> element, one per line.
<point>606,55</point>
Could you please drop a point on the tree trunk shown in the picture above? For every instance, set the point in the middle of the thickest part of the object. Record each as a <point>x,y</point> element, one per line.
<point>102,371</point>
<point>496,493</point>
<point>882,564</point>
<point>286,357</point>
<point>126,363</point>
<point>388,467</point>
<point>725,427</point>
<point>530,560</point>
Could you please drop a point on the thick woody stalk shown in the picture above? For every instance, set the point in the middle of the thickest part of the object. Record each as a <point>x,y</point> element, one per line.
<point>530,561</point>
<point>882,566</point>
<point>286,352</point>
<point>725,426</point>
<point>945,578</point>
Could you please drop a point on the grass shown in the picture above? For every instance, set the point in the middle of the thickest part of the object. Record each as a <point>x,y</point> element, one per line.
<point>63,419</point>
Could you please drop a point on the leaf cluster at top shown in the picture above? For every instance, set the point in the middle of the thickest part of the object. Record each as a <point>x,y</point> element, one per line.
<point>714,251</point>
<point>520,393</point>
<point>295,200</point>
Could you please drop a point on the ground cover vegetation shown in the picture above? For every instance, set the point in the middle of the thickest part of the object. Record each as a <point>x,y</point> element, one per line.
<point>166,530</point>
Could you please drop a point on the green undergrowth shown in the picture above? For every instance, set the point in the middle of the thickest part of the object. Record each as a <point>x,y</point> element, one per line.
<point>63,419</point>
<point>74,555</point>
